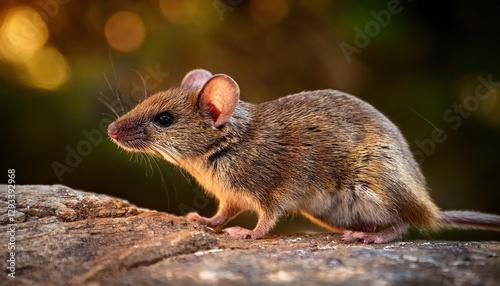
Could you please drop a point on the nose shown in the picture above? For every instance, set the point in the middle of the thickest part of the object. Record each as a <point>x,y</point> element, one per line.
<point>113,131</point>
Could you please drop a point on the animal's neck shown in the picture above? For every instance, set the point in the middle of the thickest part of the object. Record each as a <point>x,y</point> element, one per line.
<point>236,131</point>
<point>210,168</point>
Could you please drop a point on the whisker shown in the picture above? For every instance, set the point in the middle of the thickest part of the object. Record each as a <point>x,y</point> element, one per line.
<point>155,160</point>
<point>143,83</point>
<point>117,96</point>
<point>113,67</point>
<point>427,120</point>
<point>176,159</point>
<point>114,91</point>
<point>150,166</point>
<point>150,160</point>
<point>108,106</point>
<point>165,151</point>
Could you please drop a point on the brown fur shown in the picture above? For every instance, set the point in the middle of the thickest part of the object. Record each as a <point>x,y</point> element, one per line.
<point>325,154</point>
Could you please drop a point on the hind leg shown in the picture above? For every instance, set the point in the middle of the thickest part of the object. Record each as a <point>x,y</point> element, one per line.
<point>383,236</point>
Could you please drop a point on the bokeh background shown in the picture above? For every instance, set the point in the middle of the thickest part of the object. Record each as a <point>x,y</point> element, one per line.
<point>416,61</point>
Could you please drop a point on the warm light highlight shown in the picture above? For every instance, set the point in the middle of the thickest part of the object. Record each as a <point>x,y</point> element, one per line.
<point>125,31</point>
<point>178,11</point>
<point>22,34</point>
<point>47,69</point>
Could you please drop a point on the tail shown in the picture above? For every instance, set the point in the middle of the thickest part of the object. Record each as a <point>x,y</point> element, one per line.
<point>470,219</point>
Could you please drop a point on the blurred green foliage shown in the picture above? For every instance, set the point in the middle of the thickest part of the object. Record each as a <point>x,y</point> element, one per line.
<point>417,65</point>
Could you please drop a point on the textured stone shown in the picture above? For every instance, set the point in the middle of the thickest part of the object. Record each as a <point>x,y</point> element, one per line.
<point>64,236</point>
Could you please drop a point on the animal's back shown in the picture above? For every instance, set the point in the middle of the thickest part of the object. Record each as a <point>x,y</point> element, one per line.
<point>356,169</point>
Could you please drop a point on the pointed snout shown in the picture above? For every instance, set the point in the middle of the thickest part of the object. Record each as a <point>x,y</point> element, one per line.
<point>113,131</point>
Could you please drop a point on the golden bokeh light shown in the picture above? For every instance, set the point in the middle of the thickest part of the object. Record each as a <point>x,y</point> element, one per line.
<point>22,33</point>
<point>178,11</point>
<point>268,12</point>
<point>125,31</point>
<point>47,69</point>
<point>479,99</point>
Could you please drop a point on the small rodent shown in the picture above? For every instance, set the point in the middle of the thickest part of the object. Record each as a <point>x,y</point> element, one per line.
<point>324,154</point>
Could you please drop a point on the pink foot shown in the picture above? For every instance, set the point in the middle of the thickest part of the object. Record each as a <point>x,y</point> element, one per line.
<point>385,236</point>
<point>365,237</point>
<point>193,216</point>
<point>239,232</point>
<point>196,217</point>
<point>201,219</point>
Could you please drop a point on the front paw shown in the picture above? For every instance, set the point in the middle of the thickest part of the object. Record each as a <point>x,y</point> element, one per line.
<point>238,232</point>
<point>196,217</point>
<point>204,221</point>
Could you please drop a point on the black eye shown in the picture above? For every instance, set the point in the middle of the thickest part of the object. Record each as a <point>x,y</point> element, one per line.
<point>164,119</point>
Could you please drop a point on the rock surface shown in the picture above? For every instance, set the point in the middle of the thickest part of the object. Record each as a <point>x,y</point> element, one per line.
<point>69,237</point>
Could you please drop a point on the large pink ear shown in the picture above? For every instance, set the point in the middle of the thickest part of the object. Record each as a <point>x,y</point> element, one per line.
<point>218,98</point>
<point>196,78</point>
